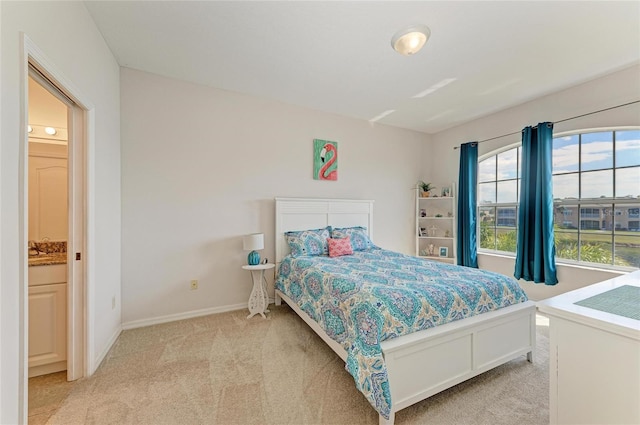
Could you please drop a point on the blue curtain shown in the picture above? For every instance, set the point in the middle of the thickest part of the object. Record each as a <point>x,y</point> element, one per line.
<point>535,250</point>
<point>467,206</point>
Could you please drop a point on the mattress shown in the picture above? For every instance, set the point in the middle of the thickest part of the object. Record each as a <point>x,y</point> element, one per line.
<point>371,296</point>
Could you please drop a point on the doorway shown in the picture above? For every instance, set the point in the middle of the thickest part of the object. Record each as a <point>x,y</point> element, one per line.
<point>48,232</point>
<point>77,315</point>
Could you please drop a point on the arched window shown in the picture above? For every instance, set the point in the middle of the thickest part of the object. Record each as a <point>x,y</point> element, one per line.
<point>596,191</point>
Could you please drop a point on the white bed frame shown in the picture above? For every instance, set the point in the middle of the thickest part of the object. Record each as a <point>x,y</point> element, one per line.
<point>424,363</point>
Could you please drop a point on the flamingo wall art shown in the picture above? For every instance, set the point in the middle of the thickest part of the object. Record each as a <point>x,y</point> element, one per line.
<point>325,160</point>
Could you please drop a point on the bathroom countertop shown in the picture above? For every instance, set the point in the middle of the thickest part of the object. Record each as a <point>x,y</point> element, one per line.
<point>43,259</point>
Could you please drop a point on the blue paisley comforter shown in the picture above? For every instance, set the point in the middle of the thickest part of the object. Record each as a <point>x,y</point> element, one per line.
<point>371,296</point>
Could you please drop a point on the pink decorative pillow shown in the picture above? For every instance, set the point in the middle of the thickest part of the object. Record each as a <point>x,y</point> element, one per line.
<point>338,247</point>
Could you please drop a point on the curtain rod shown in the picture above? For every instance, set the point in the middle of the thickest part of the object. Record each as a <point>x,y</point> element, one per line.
<point>556,122</point>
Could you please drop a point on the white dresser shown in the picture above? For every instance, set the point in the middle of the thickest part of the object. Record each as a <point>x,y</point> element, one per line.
<point>594,359</point>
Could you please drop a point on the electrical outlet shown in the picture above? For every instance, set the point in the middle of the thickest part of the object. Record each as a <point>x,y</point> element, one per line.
<point>194,284</point>
<point>113,303</point>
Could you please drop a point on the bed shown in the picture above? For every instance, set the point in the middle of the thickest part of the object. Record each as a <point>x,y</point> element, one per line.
<point>420,353</point>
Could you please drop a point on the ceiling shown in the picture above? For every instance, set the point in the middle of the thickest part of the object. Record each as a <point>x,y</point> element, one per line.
<point>335,56</point>
<point>44,108</point>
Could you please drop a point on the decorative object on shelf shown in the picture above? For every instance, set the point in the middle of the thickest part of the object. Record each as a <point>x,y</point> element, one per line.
<point>449,214</point>
<point>423,231</point>
<point>253,242</point>
<point>443,251</point>
<point>423,252</point>
<point>433,230</point>
<point>446,192</point>
<point>425,189</point>
<point>432,250</point>
<point>325,160</point>
<point>447,234</point>
<point>423,212</point>
<point>438,216</point>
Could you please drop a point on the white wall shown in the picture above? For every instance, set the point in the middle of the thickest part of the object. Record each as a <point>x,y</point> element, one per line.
<point>67,36</point>
<point>611,90</point>
<point>201,167</point>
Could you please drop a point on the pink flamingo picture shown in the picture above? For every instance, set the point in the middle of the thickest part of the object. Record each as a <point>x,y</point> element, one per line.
<point>325,165</point>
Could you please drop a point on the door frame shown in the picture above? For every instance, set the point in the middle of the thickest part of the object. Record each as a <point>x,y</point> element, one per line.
<point>80,323</point>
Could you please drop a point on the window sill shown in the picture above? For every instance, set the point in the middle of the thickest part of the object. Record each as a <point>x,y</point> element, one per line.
<point>567,263</point>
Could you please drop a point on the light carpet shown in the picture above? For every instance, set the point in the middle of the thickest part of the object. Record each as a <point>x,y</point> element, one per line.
<point>225,369</point>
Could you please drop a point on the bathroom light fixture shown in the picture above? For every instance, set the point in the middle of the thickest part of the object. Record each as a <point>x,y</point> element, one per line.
<point>47,134</point>
<point>410,40</point>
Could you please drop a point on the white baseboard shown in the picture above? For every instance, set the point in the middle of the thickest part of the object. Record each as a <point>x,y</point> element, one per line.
<point>181,316</point>
<point>105,351</point>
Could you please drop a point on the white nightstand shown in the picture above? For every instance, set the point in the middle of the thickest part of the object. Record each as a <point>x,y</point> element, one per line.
<point>259,300</point>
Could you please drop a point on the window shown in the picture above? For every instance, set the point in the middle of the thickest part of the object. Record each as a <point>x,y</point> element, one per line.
<point>498,186</point>
<point>590,224</point>
<point>596,185</point>
<point>590,212</point>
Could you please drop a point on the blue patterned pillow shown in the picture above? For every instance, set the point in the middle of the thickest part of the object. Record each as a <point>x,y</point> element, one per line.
<point>359,237</point>
<point>309,242</point>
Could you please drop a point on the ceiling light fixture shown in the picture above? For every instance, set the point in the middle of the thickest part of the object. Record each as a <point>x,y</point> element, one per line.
<point>50,131</point>
<point>410,40</point>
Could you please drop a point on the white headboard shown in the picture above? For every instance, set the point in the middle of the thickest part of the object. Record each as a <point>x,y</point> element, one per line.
<point>309,213</point>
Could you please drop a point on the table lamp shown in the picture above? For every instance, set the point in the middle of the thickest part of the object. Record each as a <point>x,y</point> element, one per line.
<point>252,243</point>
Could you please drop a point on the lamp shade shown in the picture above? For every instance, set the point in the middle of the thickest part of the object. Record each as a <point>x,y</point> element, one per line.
<point>253,242</point>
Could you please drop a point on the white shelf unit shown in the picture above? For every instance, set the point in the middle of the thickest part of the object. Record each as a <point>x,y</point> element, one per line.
<point>436,226</point>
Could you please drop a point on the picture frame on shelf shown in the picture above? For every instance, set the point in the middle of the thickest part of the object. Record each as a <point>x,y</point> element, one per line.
<point>443,251</point>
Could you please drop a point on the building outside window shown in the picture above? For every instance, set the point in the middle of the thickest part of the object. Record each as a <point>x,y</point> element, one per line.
<point>506,217</point>
<point>596,184</point>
